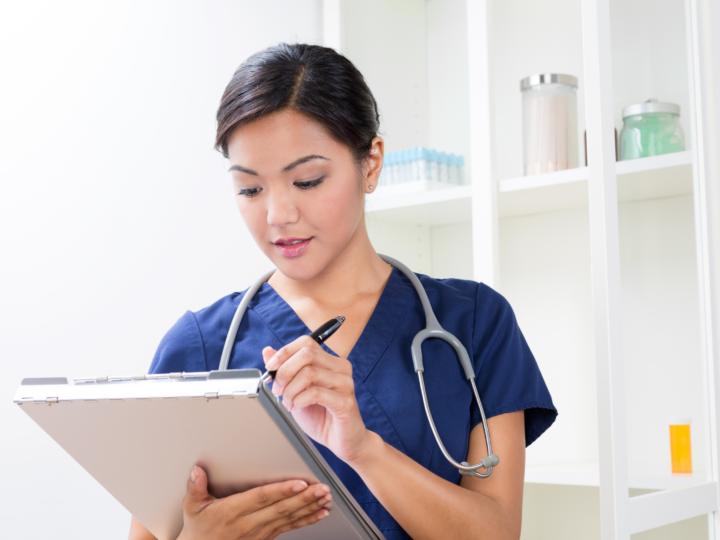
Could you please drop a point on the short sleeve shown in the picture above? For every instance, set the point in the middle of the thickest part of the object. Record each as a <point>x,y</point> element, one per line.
<point>507,375</point>
<point>181,349</point>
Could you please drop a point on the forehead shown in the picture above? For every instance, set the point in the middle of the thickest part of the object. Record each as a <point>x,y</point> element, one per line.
<point>281,138</point>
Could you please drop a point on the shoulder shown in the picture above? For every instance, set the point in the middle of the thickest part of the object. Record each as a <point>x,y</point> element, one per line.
<point>219,313</point>
<point>186,346</point>
<point>476,308</point>
<point>481,314</point>
<point>467,295</point>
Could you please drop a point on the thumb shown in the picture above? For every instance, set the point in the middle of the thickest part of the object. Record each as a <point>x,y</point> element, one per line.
<point>197,497</point>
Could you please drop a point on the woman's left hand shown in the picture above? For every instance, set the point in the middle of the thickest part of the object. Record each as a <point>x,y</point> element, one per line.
<point>319,391</point>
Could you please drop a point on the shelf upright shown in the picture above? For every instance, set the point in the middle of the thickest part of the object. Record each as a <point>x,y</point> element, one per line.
<point>605,262</point>
<point>705,88</point>
<point>333,24</point>
<point>621,516</point>
<point>482,157</point>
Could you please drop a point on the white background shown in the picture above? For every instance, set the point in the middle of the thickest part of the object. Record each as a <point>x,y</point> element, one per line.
<point>117,214</point>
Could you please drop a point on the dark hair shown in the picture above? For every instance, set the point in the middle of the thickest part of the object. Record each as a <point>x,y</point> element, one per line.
<point>311,79</point>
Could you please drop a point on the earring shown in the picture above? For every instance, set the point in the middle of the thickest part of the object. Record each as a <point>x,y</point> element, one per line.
<point>370,188</point>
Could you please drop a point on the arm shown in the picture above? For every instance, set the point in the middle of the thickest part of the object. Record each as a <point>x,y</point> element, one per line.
<point>319,391</point>
<point>477,508</point>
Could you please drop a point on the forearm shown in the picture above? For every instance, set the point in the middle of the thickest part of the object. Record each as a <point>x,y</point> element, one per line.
<point>427,506</point>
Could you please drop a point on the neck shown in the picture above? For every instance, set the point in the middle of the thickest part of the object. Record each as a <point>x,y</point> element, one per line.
<point>358,270</point>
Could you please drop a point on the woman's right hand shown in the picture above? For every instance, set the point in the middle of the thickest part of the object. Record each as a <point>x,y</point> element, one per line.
<point>257,514</point>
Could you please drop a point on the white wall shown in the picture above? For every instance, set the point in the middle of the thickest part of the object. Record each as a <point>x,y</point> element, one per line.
<point>117,213</point>
<point>545,271</point>
<point>529,38</point>
<point>394,64</point>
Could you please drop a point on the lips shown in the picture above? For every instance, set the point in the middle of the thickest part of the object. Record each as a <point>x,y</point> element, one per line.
<point>292,247</point>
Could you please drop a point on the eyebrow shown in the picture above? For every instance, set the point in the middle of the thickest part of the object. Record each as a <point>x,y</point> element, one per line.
<point>303,160</point>
<point>286,169</point>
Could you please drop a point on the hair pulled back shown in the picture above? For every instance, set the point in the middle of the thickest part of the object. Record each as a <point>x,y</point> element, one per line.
<point>311,79</point>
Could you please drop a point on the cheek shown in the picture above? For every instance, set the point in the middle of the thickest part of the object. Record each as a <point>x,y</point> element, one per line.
<point>340,210</point>
<point>253,215</point>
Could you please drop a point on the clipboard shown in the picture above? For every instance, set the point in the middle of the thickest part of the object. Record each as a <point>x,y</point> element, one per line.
<point>140,437</point>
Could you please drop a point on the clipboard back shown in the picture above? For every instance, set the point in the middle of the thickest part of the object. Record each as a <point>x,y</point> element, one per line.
<point>140,437</point>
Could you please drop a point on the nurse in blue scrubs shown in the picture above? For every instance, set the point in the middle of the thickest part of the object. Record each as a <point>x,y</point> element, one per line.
<point>300,128</point>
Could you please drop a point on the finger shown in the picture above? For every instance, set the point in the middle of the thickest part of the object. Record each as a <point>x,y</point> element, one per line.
<point>267,354</point>
<point>196,497</point>
<point>260,497</point>
<point>302,522</point>
<point>313,499</point>
<point>286,372</point>
<point>284,353</point>
<point>330,399</point>
<point>307,356</point>
<point>311,375</point>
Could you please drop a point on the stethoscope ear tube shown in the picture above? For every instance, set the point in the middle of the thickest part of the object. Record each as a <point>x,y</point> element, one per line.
<point>465,468</point>
<point>439,333</point>
<point>237,319</point>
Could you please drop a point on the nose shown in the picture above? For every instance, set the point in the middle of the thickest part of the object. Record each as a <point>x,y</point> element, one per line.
<point>281,210</point>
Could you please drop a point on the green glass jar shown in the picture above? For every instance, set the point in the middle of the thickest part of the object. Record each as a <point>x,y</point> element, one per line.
<point>651,129</point>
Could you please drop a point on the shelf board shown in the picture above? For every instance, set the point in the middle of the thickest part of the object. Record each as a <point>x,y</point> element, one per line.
<point>642,476</point>
<point>639,179</point>
<point>653,177</point>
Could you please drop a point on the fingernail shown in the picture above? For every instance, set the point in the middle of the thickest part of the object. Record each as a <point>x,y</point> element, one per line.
<point>323,514</point>
<point>326,499</point>
<point>286,404</point>
<point>324,490</point>
<point>276,389</point>
<point>194,475</point>
<point>300,486</point>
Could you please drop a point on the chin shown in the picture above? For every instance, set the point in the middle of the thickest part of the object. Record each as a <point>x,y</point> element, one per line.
<point>299,268</point>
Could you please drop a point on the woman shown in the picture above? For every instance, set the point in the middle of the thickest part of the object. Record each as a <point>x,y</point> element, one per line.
<point>299,126</point>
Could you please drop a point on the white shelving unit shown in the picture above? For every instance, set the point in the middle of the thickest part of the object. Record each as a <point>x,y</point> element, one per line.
<point>649,178</point>
<point>612,269</point>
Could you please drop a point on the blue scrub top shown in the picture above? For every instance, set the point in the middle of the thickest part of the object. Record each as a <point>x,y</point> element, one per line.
<point>386,387</point>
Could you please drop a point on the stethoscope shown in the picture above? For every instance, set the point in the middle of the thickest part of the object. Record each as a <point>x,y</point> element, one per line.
<point>432,330</point>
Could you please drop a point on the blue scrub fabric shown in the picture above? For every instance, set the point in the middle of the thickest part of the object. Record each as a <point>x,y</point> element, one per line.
<point>386,386</point>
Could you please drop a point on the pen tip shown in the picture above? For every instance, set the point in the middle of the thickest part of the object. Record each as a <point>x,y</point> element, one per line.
<point>340,318</point>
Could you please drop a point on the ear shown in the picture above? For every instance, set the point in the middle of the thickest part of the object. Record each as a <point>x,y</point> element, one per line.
<point>373,164</point>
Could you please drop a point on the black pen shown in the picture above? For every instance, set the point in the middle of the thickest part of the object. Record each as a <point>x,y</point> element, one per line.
<point>319,335</point>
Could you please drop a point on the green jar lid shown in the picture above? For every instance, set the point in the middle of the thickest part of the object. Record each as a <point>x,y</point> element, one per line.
<point>651,106</point>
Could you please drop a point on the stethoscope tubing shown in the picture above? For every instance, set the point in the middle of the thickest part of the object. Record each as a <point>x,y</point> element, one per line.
<point>432,330</point>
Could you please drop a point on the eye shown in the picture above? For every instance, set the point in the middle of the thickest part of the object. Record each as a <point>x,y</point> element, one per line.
<point>309,184</point>
<point>249,192</point>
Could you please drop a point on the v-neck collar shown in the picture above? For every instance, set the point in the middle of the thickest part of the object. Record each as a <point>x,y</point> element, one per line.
<point>375,337</point>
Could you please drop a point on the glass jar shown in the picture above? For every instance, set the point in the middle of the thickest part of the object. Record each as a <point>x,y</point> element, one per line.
<point>550,140</point>
<point>651,129</point>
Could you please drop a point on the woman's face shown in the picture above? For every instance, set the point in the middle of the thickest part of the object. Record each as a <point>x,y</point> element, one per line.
<point>298,191</point>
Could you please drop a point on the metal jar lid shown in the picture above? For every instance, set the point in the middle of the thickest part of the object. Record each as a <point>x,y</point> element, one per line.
<point>651,106</point>
<point>548,78</point>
